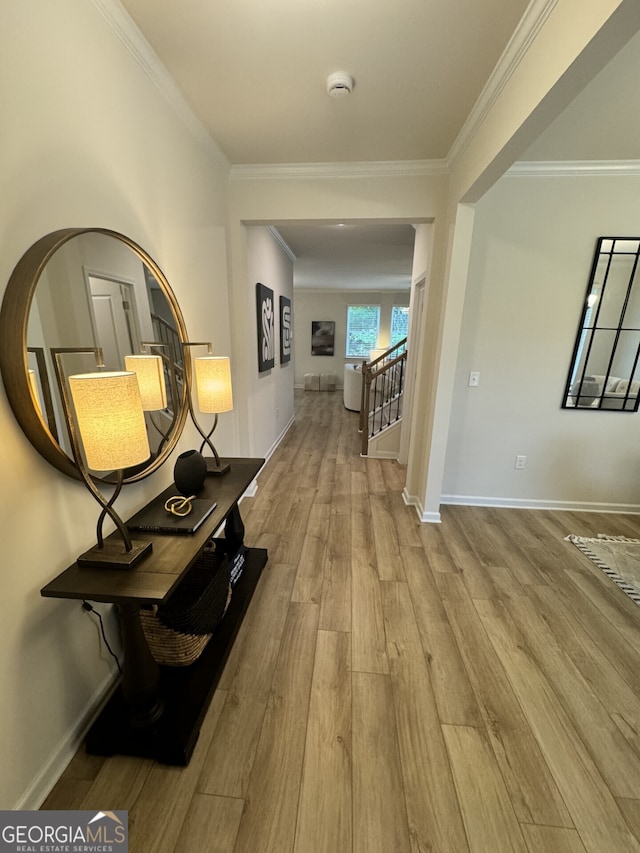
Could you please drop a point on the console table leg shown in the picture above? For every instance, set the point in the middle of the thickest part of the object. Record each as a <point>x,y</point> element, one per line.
<point>234,527</point>
<point>141,673</point>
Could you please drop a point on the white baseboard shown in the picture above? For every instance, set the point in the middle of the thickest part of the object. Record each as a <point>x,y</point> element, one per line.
<point>275,444</point>
<point>516,503</point>
<point>252,489</point>
<point>521,503</point>
<point>42,785</point>
<point>250,492</point>
<point>431,518</point>
<point>426,517</point>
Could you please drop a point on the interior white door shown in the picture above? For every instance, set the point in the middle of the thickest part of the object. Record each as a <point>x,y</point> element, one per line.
<point>111,308</point>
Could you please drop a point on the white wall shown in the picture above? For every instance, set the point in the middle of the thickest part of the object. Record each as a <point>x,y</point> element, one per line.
<point>312,305</point>
<point>561,47</point>
<point>270,395</point>
<point>87,140</point>
<point>532,249</point>
<point>311,198</point>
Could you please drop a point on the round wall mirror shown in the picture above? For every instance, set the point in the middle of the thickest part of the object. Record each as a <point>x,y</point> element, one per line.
<point>85,288</point>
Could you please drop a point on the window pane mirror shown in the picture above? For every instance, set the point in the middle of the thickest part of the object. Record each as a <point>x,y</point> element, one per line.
<point>85,288</point>
<point>604,371</point>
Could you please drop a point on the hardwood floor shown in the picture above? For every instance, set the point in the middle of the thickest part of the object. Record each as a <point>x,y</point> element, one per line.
<point>469,687</point>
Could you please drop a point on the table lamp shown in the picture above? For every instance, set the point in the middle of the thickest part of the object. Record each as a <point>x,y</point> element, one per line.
<point>110,428</point>
<point>213,387</point>
<point>150,372</point>
<point>152,367</point>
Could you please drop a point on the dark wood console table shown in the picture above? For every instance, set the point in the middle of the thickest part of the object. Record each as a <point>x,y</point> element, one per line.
<point>156,711</point>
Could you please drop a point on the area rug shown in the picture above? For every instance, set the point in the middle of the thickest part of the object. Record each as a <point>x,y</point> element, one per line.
<point>617,556</point>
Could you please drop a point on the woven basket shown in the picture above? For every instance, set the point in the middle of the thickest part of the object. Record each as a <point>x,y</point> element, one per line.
<point>169,647</point>
<point>178,630</point>
<point>202,596</point>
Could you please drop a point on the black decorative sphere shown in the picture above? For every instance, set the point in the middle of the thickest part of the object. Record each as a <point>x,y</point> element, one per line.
<point>189,472</point>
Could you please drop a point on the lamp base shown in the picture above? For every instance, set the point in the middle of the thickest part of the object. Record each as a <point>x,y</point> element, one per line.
<point>113,556</point>
<point>212,468</point>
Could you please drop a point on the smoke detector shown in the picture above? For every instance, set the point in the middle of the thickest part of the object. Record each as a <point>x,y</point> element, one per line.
<point>339,84</point>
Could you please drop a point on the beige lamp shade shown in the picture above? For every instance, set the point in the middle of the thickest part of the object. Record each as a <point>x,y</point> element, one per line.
<point>376,353</point>
<point>150,373</point>
<point>110,419</point>
<point>213,383</point>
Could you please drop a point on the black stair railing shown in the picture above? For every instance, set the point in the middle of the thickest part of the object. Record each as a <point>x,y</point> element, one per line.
<point>382,392</point>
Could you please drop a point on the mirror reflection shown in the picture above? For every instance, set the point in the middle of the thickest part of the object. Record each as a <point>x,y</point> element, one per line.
<point>95,290</point>
<point>604,368</point>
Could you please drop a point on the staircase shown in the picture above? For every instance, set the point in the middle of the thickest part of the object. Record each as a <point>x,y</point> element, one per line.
<point>382,400</point>
<point>166,344</point>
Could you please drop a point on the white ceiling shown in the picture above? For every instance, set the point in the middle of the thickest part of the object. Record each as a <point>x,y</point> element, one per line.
<point>254,73</point>
<point>354,256</point>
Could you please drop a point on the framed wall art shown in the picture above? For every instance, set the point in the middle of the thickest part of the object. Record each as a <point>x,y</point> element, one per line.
<point>285,329</point>
<point>323,334</point>
<point>265,315</point>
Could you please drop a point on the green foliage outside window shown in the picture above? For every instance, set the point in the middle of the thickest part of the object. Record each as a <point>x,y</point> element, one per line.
<point>363,325</point>
<point>399,324</point>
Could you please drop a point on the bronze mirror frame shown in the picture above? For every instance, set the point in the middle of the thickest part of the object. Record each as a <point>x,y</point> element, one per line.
<point>14,319</point>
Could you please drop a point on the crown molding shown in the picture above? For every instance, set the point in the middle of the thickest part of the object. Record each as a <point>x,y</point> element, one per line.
<point>530,25</point>
<point>277,236</point>
<point>364,169</point>
<point>125,29</point>
<point>575,168</point>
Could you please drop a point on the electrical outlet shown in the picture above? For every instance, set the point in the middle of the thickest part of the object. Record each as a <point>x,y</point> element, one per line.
<point>521,461</point>
<point>474,379</point>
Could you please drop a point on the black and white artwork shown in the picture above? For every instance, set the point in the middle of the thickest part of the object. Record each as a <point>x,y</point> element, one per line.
<point>266,327</point>
<point>322,337</point>
<point>285,329</point>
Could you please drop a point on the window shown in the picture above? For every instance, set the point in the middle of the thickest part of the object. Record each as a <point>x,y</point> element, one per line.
<point>399,324</point>
<point>363,324</point>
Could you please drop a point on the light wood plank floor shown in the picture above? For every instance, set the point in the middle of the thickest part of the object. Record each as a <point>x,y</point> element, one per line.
<point>469,687</point>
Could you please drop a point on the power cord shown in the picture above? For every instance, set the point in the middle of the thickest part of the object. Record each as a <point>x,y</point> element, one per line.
<point>90,609</point>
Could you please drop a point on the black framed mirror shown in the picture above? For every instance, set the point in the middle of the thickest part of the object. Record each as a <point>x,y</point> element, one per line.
<point>88,287</point>
<point>604,372</point>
